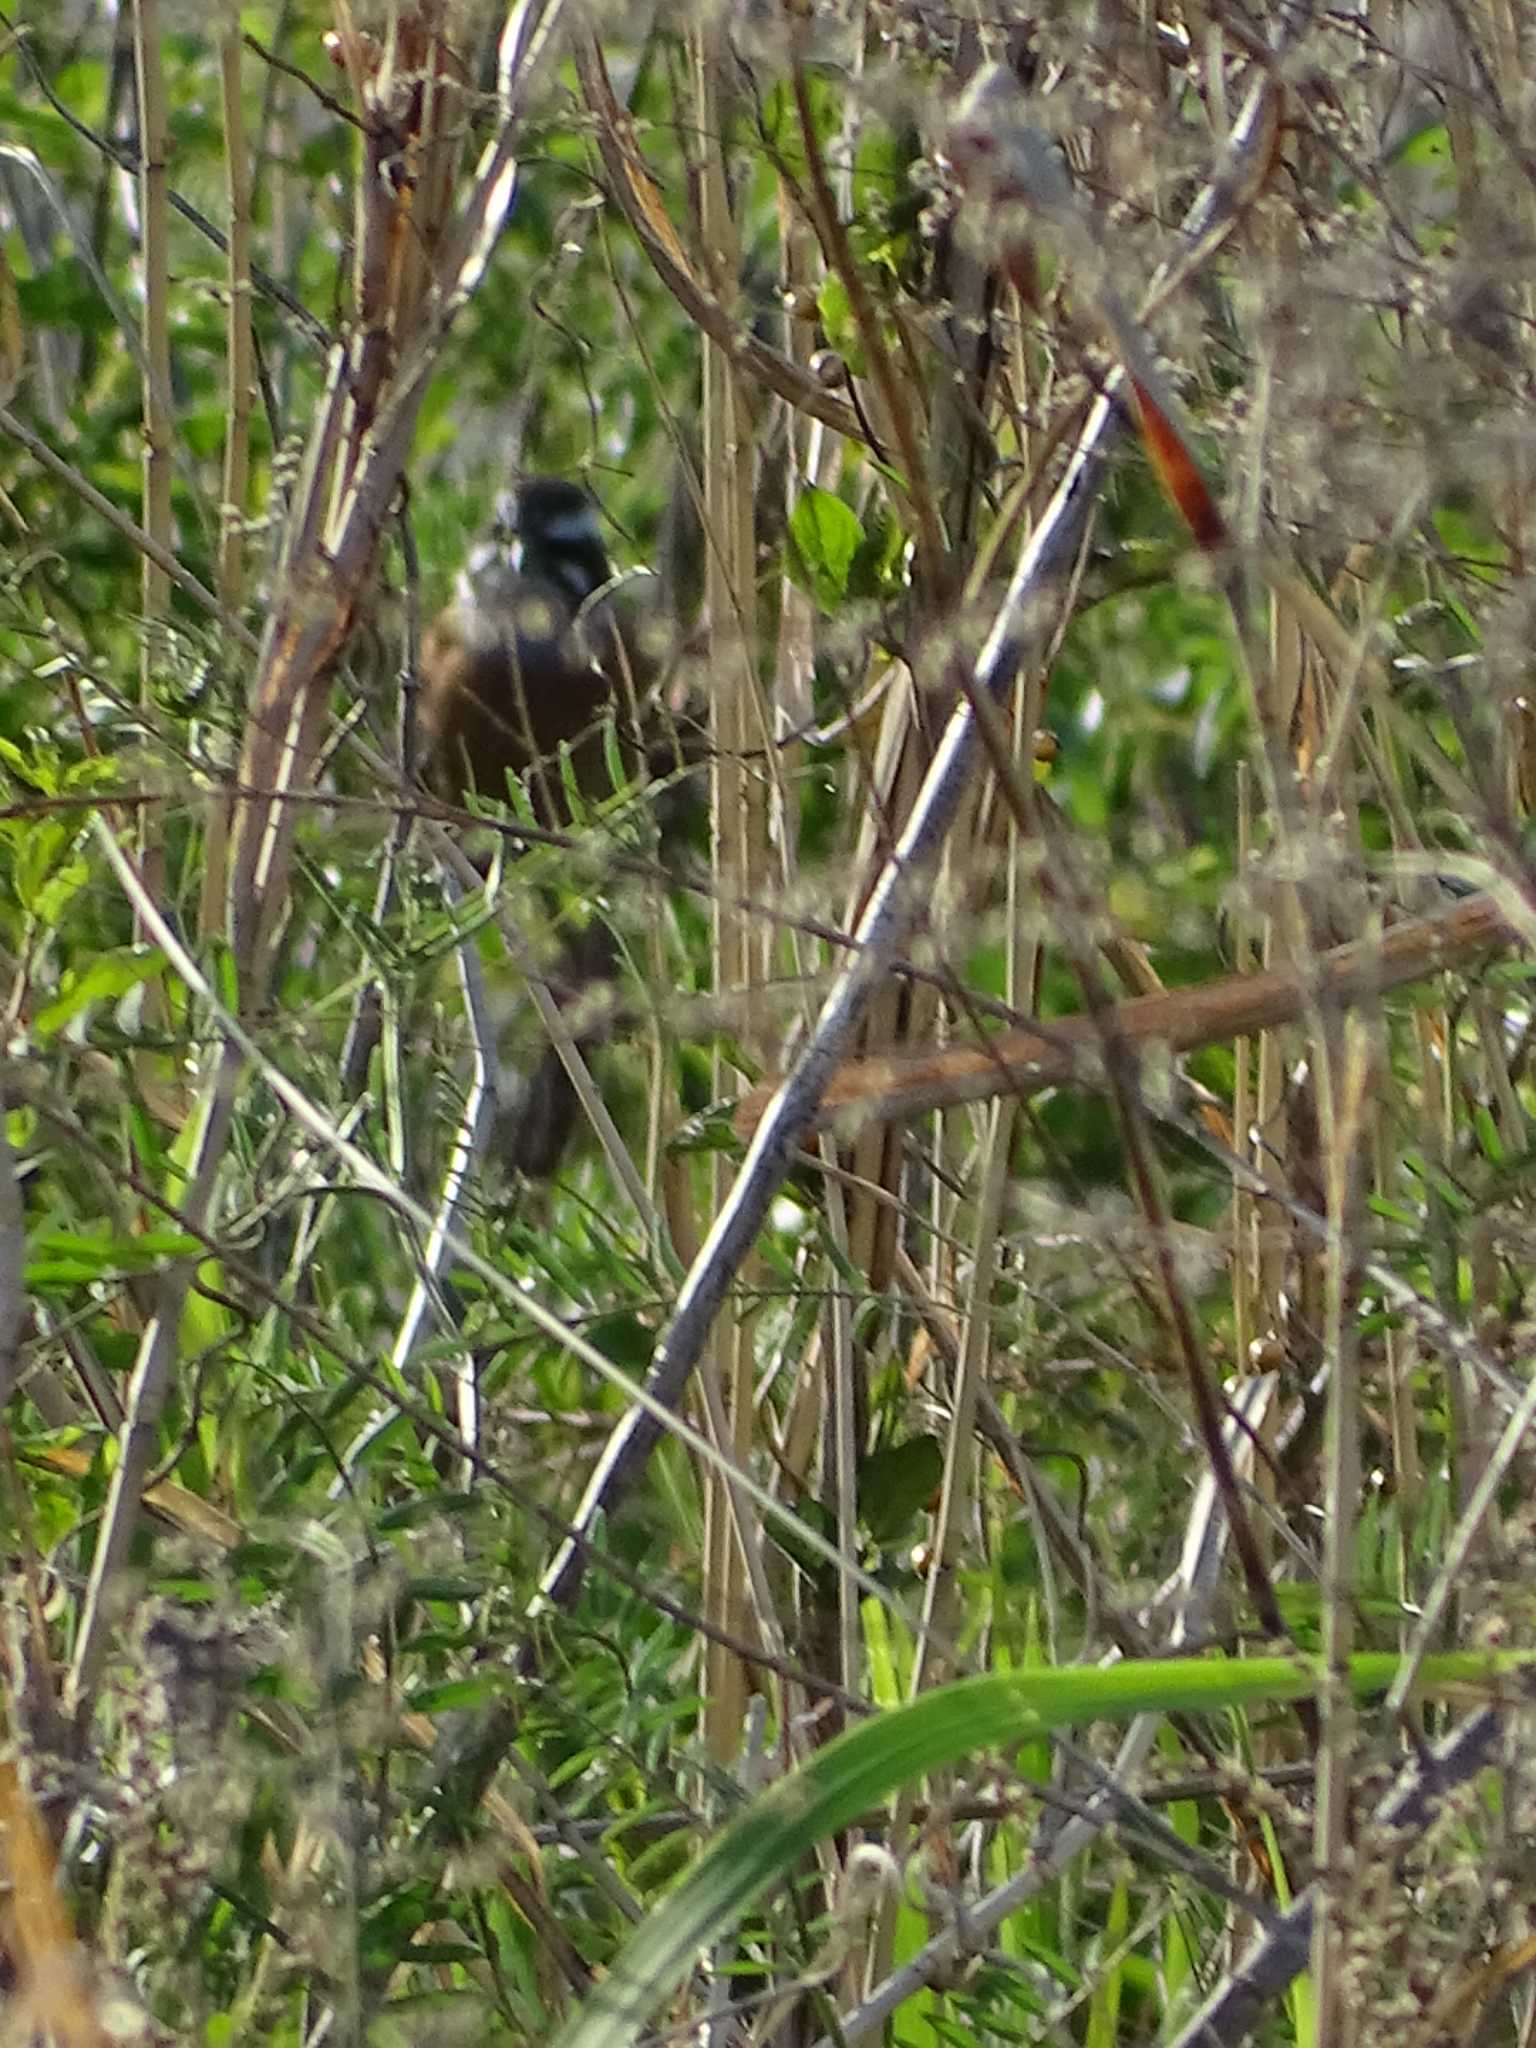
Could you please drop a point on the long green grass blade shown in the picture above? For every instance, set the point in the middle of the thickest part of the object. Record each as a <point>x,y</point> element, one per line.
<point>763,1845</point>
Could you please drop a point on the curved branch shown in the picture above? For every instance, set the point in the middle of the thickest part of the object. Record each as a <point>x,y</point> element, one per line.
<point>634,192</point>
<point>901,1086</point>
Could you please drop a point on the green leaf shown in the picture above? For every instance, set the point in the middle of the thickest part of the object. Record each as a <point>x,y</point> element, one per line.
<point>763,1846</point>
<point>61,1258</point>
<point>1488,1135</point>
<point>896,1483</point>
<point>108,977</point>
<point>839,325</point>
<point>455,1696</point>
<point>1428,146</point>
<point>426,1507</point>
<point>1104,2007</point>
<point>624,1339</point>
<point>824,537</point>
<point>443,1586</point>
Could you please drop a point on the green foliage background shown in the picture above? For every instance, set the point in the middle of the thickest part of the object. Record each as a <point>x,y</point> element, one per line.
<point>271,1808</point>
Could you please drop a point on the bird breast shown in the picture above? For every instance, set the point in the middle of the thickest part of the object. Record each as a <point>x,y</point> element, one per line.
<point>505,685</point>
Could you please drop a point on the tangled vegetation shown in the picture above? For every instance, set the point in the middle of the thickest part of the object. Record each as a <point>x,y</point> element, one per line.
<point>983,1497</point>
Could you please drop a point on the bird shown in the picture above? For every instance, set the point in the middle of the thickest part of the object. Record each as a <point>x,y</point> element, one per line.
<point>531,656</point>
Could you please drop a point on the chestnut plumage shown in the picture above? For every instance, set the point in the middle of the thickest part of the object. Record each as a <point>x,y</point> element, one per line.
<point>529,658</point>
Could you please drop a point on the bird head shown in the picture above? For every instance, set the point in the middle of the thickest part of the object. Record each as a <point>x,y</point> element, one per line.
<point>548,529</point>
<point>544,532</point>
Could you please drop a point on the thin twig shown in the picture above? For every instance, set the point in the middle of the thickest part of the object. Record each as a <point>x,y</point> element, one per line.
<point>13,1265</point>
<point>465,1150</point>
<point>630,184</point>
<point>1232,2011</point>
<point>1205,1537</point>
<point>127,159</point>
<point>372,1179</point>
<point>893,910</point>
<point>421,1414</point>
<point>159,1348</point>
<point>134,534</point>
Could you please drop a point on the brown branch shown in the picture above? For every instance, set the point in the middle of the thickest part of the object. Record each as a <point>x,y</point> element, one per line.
<point>899,1087</point>
<point>903,405</point>
<point>633,190</point>
<point>418,259</point>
